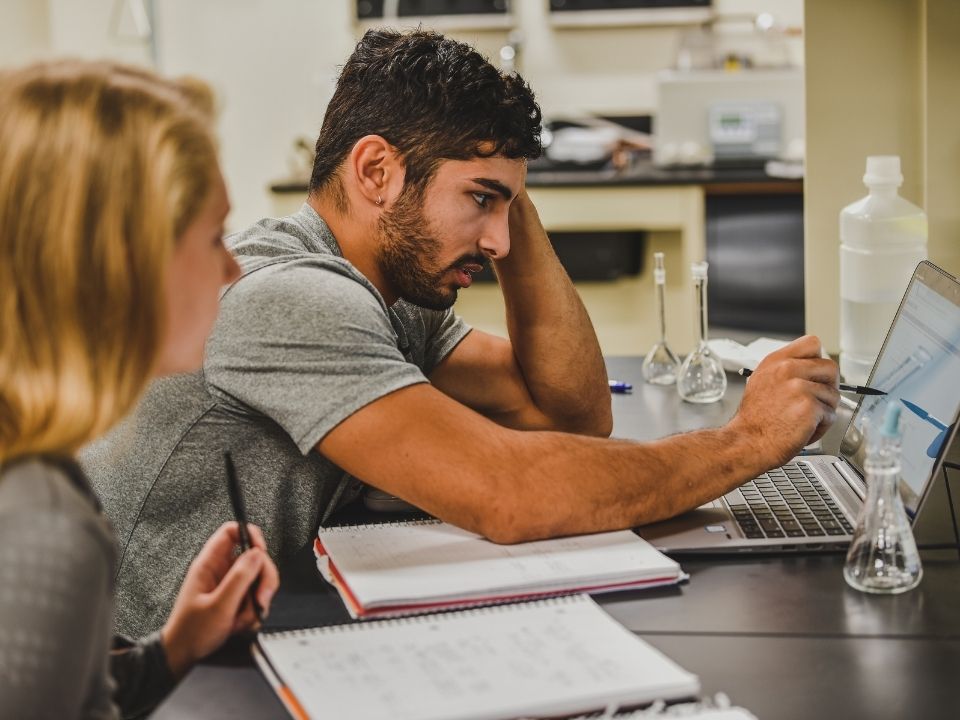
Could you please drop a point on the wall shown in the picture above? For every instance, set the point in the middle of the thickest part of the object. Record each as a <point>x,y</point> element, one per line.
<point>941,134</point>
<point>98,29</point>
<point>613,70</point>
<point>24,31</point>
<point>851,113</point>
<point>35,29</point>
<point>272,63</point>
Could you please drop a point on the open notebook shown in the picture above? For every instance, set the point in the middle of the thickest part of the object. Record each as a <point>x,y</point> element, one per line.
<point>555,657</point>
<point>421,566</point>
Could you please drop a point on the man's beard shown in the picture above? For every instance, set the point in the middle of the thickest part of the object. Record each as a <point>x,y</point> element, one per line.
<point>408,256</point>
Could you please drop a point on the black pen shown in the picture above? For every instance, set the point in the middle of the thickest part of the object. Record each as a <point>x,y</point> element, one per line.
<point>858,389</point>
<point>240,513</point>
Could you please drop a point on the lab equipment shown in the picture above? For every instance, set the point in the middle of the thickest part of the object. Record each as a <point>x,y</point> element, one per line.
<point>768,103</point>
<point>661,364</point>
<point>882,238</point>
<point>883,555</point>
<point>702,378</point>
<point>743,130</point>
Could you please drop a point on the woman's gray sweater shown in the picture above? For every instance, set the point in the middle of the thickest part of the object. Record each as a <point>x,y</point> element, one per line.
<point>58,658</point>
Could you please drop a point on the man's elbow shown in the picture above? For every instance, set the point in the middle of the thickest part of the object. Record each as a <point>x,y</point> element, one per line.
<point>509,521</point>
<point>596,421</point>
<point>599,415</point>
<point>502,532</point>
<point>603,425</point>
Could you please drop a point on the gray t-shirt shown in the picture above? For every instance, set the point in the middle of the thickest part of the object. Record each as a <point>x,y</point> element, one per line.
<point>302,342</point>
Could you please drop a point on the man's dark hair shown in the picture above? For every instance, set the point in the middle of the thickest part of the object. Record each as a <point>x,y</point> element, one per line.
<point>433,99</point>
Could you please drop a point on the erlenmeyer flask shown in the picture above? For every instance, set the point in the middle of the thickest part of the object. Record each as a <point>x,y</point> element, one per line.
<point>883,556</point>
<point>702,378</point>
<point>661,364</point>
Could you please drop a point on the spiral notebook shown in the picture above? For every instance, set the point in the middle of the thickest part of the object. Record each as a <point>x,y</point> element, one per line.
<point>393,569</point>
<point>555,657</point>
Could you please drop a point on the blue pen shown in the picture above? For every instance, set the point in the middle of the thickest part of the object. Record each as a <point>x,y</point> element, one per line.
<point>620,387</point>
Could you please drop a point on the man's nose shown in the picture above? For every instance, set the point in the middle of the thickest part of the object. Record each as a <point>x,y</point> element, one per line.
<point>495,241</point>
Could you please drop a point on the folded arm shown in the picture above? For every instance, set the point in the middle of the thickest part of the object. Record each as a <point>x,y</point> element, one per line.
<point>550,374</point>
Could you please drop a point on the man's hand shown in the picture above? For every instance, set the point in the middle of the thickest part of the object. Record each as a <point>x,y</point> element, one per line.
<point>213,601</point>
<point>790,400</point>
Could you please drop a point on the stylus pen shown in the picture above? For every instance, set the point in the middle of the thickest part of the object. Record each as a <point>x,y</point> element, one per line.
<point>240,513</point>
<point>858,389</point>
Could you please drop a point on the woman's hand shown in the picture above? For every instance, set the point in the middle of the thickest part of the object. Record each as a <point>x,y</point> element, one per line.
<point>214,601</point>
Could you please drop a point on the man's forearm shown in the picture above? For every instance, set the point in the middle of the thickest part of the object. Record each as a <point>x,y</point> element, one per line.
<point>552,337</point>
<point>567,486</point>
<point>512,486</point>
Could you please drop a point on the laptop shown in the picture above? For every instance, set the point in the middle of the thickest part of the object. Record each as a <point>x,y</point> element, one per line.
<point>812,502</point>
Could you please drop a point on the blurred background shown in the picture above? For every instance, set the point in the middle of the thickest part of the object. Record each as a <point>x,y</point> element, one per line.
<point>689,127</point>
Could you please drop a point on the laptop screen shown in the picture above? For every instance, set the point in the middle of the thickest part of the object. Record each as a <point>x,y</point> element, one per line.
<point>918,367</point>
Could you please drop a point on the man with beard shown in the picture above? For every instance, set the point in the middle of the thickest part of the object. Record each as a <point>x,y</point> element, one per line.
<point>337,356</point>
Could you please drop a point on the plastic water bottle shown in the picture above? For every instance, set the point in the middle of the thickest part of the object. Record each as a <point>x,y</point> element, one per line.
<point>883,556</point>
<point>882,238</point>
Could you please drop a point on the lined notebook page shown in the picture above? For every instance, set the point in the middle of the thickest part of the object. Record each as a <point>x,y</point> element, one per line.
<point>399,562</point>
<point>552,657</point>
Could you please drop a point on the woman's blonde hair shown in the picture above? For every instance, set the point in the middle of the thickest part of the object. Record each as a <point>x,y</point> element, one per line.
<point>102,168</point>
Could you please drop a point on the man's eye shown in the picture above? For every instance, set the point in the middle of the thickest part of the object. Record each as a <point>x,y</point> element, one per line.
<point>482,199</point>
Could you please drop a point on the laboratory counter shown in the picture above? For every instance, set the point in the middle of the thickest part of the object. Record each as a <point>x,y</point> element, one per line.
<point>640,172</point>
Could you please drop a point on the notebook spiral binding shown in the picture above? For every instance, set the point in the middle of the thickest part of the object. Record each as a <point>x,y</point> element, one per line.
<point>705,707</point>
<point>506,606</point>
<point>363,526</point>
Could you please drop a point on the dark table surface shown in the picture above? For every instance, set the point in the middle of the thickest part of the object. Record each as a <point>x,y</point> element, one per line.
<point>782,635</point>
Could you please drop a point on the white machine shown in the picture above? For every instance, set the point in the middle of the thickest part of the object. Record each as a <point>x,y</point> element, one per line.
<point>707,116</point>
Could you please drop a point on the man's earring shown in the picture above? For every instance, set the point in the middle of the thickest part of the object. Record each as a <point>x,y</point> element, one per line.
<point>379,200</point>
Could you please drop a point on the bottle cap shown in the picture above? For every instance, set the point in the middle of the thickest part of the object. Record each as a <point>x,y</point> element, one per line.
<point>891,421</point>
<point>699,270</point>
<point>883,170</point>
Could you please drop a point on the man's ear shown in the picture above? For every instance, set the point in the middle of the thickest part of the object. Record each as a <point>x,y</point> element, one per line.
<point>376,169</point>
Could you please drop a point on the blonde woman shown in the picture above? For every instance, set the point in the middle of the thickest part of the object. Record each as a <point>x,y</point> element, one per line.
<point>111,213</point>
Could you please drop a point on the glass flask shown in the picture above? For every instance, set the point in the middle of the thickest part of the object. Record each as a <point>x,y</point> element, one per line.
<point>883,555</point>
<point>702,378</point>
<point>661,364</point>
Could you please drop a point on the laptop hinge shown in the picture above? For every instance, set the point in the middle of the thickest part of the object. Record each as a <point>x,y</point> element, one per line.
<point>853,479</point>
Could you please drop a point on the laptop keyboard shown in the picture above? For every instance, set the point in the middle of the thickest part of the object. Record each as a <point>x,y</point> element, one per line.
<point>788,501</point>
